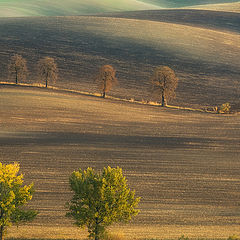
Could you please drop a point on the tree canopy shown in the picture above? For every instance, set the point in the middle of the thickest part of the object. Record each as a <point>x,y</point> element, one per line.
<point>13,196</point>
<point>164,83</point>
<point>100,199</point>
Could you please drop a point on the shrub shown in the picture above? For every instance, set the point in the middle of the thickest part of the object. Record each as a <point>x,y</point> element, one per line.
<point>233,237</point>
<point>183,238</point>
<point>224,108</point>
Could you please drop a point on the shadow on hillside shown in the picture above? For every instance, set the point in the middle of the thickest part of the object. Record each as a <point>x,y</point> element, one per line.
<point>228,21</point>
<point>106,140</point>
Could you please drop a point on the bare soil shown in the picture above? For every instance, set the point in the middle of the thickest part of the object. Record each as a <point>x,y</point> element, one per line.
<point>184,164</point>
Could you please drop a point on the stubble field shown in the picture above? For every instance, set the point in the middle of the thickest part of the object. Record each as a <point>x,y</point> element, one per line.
<point>184,164</point>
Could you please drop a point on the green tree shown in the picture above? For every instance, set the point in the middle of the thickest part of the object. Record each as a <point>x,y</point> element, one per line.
<point>13,196</point>
<point>18,68</point>
<point>100,199</point>
<point>106,78</point>
<point>164,83</point>
<point>47,70</point>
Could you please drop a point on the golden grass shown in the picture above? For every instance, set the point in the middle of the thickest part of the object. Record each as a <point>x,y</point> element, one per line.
<point>133,232</point>
<point>45,232</point>
<point>151,103</point>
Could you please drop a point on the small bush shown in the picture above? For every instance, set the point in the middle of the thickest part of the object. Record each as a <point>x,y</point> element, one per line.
<point>224,108</point>
<point>233,237</point>
<point>183,238</point>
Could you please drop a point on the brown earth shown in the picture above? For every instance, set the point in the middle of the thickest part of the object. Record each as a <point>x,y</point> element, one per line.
<point>184,164</point>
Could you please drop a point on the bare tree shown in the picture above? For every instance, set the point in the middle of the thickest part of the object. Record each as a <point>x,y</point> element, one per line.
<point>164,83</point>
<point>18,68</point>
<point>47,69</point>
<point>106,79</point>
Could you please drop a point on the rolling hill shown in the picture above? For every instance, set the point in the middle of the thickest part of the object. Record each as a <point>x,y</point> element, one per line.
<point>204,53</point>
<point>16,8</point>
<point>184,164</point>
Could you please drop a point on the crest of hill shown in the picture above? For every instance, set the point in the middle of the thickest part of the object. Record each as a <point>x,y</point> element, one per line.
<point>15,8</point>
<point>215,20</point>
<point>226,7</point>
<point>24,8</point>
<point>186,3</point>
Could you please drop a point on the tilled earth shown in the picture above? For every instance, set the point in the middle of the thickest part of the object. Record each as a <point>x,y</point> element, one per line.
<point>183,164</point>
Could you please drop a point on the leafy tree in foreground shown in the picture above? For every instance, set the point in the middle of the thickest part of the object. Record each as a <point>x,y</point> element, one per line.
<point>100,199</point>
<point>12,197</point>
<point>106,79</point>
<point>47,69</point>
<point>17,68</point>
<point>164,83</point>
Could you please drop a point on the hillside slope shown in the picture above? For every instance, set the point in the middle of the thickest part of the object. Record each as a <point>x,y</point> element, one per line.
<point>205,60</point>
<point>16,8</point>
<point>227,7</point>
<point>216,20</point>
<point>184,165</point>
<point>184,3</point>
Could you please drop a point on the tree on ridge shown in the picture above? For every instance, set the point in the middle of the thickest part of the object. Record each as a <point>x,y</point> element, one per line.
<point>18,68</point>
<point>164,82</point>
<point>47,70</point>
<point>106,78</point>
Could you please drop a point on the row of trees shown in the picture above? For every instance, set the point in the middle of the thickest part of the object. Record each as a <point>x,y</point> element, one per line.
<point>47,69</point>
<point>164,81</point>
<point>99,199</point>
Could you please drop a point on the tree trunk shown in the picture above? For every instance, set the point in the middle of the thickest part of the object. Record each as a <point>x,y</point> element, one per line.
<point>16,77</point>
<point>1,233</point>
<point>96,232</point>
<point>163,100</point>
<point>104,87</point>
<point>46,82</point>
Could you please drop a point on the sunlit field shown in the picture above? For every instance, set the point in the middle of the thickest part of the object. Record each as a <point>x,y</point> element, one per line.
<point>184,164</point>
<point>30,8</point>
